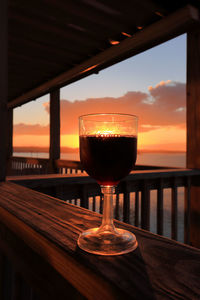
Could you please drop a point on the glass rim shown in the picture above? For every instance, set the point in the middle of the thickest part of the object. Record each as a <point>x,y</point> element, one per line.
<point>107,114</point>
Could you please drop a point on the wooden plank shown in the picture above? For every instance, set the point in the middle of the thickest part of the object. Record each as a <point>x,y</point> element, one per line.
<point>64,262</point>
<point>193,126</point>
<point>3,85</point>
<point>33,269</point>
<point>54,150</point>
<point>161,31</point>
<point>50,227</point>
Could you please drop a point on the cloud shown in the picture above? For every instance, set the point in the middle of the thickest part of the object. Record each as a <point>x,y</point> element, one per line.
<point>30,129</point>
<point>162,105</point>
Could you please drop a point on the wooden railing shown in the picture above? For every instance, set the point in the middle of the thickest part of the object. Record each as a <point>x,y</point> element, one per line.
<point>35,166</point>
<point>156,200</point>
<point>69,166</point>
<point>27,165</point>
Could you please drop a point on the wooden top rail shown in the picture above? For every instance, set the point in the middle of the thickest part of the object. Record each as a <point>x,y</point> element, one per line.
<point>30,160</point>
<point>73,164</point>
<point>132,180</point>
<point>34,225</point>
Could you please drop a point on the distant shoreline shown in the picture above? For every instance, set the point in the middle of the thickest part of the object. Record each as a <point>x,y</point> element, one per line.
<point>43,149</point>
<point>76,150</point>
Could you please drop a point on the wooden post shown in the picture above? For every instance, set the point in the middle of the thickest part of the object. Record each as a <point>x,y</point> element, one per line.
<point>10,133</point>
<point>3,84</point>
<point>9,150</point>
<point>193,127</point>
<point>54,152</point>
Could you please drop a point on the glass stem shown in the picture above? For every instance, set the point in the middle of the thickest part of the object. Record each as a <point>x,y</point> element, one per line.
<point>107,220</point>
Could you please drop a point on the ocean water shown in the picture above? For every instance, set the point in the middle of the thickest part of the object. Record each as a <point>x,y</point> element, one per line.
<point>173,159</point>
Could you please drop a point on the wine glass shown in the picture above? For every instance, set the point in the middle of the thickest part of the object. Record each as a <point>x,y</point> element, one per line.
<point>108,150</point>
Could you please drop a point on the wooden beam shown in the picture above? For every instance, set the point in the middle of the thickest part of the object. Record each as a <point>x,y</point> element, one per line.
<point>3,85</point>
<point>54,150</point>
<point>159,32</point>
<point>193,127</point>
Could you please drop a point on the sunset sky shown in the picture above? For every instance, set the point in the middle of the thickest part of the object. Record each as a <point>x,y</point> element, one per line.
<point>150,85</point>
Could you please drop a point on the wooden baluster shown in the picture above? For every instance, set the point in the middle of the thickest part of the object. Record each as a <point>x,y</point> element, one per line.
<point>160,208</point>
<point>187,211</point>
<point>117,207</point>
<point>101,204</point>
<point>145,207</point>
<point>174,211</point>
<point>126,204</point>
<point>94,203</point>
<point>136,208</point>
<point>84,198</point>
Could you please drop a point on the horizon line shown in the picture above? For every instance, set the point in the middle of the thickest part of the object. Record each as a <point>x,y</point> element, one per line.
<point>36,149</point>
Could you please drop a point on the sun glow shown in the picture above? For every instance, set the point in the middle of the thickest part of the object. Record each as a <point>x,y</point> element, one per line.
<point>70,140</point>
<point>106,133</point>
<point>169,138</point>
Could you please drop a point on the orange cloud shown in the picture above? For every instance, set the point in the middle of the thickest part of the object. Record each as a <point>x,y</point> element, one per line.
<point>164,105</point>
<point>30,129</point>
<point>161,110</point>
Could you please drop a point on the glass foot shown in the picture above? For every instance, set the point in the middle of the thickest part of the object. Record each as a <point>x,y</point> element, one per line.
<point>107,242</point>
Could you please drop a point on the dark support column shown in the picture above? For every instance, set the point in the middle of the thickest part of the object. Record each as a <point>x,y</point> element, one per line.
<point>193,127</point>
<point>10,134</point>
<point>9,150</point>
<point>54,151</point>
<point>3,85</point>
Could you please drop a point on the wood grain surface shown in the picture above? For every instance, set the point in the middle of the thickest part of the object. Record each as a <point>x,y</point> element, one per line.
<point>158,269</point>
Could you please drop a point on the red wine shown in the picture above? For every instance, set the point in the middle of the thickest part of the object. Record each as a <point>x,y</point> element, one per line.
<point>108,159</point>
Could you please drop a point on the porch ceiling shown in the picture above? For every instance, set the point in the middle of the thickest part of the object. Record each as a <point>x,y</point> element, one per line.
<point>53,43</point>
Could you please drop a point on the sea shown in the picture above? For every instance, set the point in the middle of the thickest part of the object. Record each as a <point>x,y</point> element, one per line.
<point>168,159</point>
